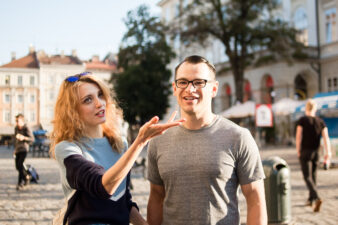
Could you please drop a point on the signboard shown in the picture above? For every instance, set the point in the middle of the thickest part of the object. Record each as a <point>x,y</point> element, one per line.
<point>264,116</point>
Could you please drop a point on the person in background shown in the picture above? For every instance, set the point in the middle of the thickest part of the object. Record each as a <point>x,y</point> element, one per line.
<point>93,157</point>
<point>195,169</point>
<point>309,130</point>
<point>23,137</point>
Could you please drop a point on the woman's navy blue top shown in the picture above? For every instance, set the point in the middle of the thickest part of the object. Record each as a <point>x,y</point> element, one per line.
<point>82,166</point>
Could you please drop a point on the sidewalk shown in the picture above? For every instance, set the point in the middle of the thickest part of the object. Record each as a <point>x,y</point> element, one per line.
<point>39,202</point>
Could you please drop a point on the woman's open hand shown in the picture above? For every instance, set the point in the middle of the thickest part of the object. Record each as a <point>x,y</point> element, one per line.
<point>152,128</point>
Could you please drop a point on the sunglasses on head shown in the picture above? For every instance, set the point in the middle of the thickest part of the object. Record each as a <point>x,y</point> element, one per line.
<point>76,77</point>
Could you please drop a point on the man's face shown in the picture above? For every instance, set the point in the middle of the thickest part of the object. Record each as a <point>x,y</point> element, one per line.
<point>194,100</point>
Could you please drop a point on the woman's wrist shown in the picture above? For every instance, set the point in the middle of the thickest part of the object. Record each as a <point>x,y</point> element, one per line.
<point>139,142</point>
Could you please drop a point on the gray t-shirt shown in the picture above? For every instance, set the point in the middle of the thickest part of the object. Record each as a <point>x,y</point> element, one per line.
<point>201,171</point>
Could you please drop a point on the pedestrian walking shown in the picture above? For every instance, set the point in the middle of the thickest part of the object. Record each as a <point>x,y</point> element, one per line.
<point>23,137</point>
<point>309,130</point>
<point>93,157</point>
<point>195,169</point>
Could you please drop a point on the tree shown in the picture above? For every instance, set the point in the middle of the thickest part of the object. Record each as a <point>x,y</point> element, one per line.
<point>143,87</point>
<point>248,30</point>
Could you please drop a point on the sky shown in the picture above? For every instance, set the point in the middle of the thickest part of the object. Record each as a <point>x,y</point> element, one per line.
<point>91,27</point>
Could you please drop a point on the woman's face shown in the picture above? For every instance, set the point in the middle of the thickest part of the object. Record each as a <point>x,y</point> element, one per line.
<point>92,107</point>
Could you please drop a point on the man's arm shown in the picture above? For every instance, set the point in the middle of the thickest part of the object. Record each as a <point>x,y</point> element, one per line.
<point>255,200</point>
<point>327,145</point>
<point>299,132</point>
<point>136,218</point>
<point>155,204</point>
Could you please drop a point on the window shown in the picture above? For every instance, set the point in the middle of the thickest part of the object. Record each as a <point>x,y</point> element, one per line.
<point>32,80</point>
<point>177,41</point>
<point>167,14</point>
<point>331,25</point>
<point>301,24</point>
<point>50,113</point>
<point>184,4</point>
<point>167,39</point>
<point>335,84</point>
<point>177,9</point>
<point>32,119</point>
<point>226,96</point>
<point>7,80</point>
<point>20,80</point>
<point>51,79</point>
<point>7,98</point>
<point>279,17</point>
<point>329,85</point>
<point>32,98</point>
<point>51,95</point>
<point>7,116</point>
<point>20,98</point>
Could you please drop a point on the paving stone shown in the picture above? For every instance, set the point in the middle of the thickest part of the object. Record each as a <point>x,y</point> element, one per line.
<point>37,203</point>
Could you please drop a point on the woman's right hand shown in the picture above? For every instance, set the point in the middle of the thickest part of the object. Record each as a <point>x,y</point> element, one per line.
<point>152,128</point>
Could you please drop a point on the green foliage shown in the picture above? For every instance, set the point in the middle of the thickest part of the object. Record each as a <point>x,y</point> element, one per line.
<point>244,27</point>
<point>143,88</point>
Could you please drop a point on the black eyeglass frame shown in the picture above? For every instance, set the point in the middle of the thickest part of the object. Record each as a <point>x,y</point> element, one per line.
<point>76,77</point>
<point>191,82</point>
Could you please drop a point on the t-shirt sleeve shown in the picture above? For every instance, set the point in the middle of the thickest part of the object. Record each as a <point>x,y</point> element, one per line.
<point>65,149</point>
<point>300,122</point>
<point>322,124</point>
<point>249,164</point>
<point>153,172</point>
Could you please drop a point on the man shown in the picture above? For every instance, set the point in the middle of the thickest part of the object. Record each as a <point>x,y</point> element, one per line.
<point>309,130</point>
<point>195,169</point>
<point>23,136</point>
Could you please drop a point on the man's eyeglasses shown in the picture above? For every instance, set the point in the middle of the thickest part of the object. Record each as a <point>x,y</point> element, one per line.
<point>76,77</point>
<point>197,83</point>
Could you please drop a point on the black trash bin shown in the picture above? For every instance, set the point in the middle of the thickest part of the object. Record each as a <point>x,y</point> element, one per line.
<point>277,190</point>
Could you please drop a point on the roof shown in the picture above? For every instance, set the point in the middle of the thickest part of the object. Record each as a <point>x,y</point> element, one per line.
<point>28,61</point>
<point>161,3</point>
<point>100,66</point>
<point>60,59</point>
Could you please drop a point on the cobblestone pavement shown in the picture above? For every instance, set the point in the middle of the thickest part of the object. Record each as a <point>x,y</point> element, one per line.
<point>37,203</point>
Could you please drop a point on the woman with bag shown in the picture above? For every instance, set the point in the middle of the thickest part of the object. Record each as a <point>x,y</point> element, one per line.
<point>93,157</point>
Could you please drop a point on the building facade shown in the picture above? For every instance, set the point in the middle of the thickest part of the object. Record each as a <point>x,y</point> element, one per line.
<point>272,82</point>
<point>19,92</point>
<point>30,85</point>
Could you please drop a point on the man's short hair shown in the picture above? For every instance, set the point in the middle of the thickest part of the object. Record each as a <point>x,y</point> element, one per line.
<point>195,59</point>
<point>20,115</point>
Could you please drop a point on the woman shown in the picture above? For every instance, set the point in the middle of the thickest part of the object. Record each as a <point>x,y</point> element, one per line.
<point>93,158</point>
<point>23,136</point>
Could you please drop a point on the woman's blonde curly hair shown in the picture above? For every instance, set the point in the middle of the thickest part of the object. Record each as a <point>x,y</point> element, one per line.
<point>68,125</point>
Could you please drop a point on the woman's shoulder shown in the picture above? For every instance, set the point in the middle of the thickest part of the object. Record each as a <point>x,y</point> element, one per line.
<point>64,149</point>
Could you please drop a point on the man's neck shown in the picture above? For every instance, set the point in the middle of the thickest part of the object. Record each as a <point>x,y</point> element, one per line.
<point>310,113</point>
<point>196,122</point>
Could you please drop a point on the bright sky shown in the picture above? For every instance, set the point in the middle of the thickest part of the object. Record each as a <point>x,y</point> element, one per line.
<point>90,27</point>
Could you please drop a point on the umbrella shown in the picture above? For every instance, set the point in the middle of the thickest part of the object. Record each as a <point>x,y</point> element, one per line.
<point>285,106</point>
<point>240,110</point>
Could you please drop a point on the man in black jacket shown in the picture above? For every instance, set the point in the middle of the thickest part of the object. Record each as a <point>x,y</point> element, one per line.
<point>23,136</point>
